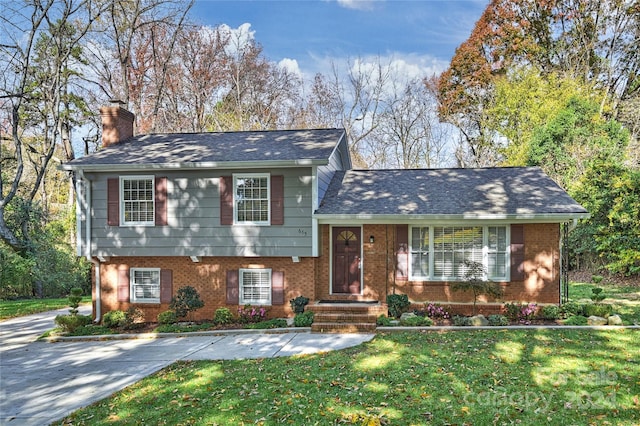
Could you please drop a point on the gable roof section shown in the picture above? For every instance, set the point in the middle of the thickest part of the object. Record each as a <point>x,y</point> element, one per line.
<point>518,193</point>
<point>276,148</point>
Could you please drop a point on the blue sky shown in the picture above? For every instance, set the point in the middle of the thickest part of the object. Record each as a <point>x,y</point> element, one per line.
<point>420,33</point>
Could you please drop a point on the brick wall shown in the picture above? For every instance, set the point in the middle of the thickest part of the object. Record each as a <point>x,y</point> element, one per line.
<point>542,267</point>
<point>208,277</point>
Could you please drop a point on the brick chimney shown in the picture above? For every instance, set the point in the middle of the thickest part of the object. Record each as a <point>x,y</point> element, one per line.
<point>117,123</point>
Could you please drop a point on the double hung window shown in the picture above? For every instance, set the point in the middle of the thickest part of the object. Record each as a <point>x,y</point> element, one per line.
<point>145,285</point>
<point>255,286</point>
<point>137,200</point>
<point>252,198</point>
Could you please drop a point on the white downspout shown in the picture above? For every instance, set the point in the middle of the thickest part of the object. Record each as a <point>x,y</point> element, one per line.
<point>86,198</point>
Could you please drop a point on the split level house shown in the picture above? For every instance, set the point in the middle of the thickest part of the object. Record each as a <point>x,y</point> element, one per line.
<point>261,217</point>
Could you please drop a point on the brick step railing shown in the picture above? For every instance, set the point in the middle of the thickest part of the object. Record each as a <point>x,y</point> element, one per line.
<point>345,317</point>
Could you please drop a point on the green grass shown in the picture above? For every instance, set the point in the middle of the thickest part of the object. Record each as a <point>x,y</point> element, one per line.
<point>18,308</point>
<point>625,300</point>
<point>556,377</point>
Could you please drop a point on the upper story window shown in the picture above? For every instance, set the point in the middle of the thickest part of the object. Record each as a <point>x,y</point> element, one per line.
<point>145,285</point>
<point>252,198</point>
<point>439,252</point>
<point>137,200</point>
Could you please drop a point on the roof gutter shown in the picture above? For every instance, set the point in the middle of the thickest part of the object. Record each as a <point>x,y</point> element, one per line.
<point>338,219</point>
<point>192,166</point>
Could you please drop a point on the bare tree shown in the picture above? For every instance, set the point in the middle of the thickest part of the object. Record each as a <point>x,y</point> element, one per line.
<point>258,93</point>
<point>129,54</point>
<point>407,135</point>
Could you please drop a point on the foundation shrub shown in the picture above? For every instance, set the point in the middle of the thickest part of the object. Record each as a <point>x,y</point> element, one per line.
<point>498,320</point>
<point>186,301</point>
<point>304,319</point>
<point>69,323</point>
<point>417,321</point>
<point>222,316</point>
<point>167,317</point>
<point>134,318</point>
<point>397,303</point>
<point>114,319</point>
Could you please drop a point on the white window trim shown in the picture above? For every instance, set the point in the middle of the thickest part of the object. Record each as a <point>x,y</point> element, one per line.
<point>235,178</point>
<point>122,201</point>
<point>242,301</point>
<point>132,293</point>
<point>485,254</point>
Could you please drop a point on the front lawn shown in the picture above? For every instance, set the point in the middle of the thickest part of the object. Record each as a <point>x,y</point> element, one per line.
<point>18,308</point>
<point>478,377</point>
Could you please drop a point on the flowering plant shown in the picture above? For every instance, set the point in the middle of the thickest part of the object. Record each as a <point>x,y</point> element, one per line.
<point>436,311</point>
<point>523,313</point>
<point>251,314</point>
<point>527,312</point>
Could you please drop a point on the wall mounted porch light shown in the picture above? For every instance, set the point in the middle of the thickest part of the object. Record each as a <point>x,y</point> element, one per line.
<point>371,239</point>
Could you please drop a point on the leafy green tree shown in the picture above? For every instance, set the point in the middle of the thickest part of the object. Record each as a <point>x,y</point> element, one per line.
<point>574,138</point>
<point>524,100</point>
<point>611,193</point>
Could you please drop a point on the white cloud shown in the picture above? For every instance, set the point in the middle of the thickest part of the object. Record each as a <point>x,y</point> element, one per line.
<point>357,4</point>
<point>404,65</point>
<point>290,65</point>
<point>239,37</point>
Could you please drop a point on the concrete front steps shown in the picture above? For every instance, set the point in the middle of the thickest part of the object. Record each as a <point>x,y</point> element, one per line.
<point>351,317</point>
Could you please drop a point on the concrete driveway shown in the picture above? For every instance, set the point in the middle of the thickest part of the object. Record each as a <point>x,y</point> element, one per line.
<point>42,382</point>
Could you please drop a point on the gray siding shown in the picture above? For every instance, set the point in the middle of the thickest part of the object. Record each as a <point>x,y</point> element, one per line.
<point>193,209</point>
<point>339,160</point>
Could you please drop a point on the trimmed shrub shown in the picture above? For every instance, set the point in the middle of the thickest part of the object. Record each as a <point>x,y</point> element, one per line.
<point>298,304</point>
<point>134,318</point>
<point>70,323</point>
<point>186,301</point>
<point>223,316</point>
<point>417,321</point>
<point>75,297</point>
<point>461,321</point>
<point>550,312</point>
<point>597,295</point>
<point>383,321</point>
<point>576,320</point>
<point>398,303</point>
<point>114,319</point>
<point>571,309</point>
<point>497,320</point>
<point>304,319</point>
<point>597,310</point>
<point>167,317</point>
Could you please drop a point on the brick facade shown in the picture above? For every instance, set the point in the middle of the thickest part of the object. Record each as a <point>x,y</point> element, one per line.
<point>208,277</point>
<point>541,284</point>
<point>311,276</point>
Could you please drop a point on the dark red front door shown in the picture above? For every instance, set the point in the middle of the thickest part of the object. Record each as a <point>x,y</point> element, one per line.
<point>346,260</point>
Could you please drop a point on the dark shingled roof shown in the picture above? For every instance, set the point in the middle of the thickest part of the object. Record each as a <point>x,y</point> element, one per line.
<point>467,193</point>
<point>194,148</point>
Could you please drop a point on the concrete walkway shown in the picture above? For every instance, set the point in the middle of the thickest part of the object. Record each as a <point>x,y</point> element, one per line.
<point>42,382</point>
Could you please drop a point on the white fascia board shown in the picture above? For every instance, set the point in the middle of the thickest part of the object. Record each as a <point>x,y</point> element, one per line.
<point>190,166</point>
<point>448,219</point>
